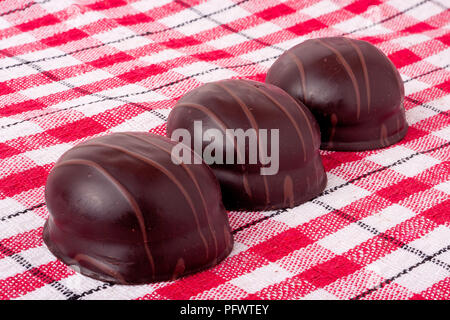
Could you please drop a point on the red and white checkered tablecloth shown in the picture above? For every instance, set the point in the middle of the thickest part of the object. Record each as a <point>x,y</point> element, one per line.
<point>71,70</point>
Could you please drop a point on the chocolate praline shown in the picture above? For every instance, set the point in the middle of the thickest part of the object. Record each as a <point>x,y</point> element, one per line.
<point>121,211</point>
<point>245,104</point>
<point>351,87</point>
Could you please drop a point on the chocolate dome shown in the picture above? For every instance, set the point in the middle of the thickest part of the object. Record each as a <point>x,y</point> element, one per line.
<point>351,87</point>
<point>123,212</point>
<point>244,104</point>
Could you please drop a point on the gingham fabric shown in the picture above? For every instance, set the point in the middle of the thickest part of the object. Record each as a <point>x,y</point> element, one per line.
<point>72,70</point>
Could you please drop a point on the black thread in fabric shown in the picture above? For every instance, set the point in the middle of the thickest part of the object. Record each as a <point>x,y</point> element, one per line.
<point>16,214</point>
<point>149,90</point>
<point>91,291</point>
<point>81,90</point>
<point>138,93</point>
<point>36,272</point>
<point>326,192</point>
<point>421,104</point>
<point>401,273</point>
<point>248,225</point>
<point>178,26</point>
<point>387,19</point>
<point>426,73</point>
<point>28,5</point>
<point>391,239</point>
<point>396,163</point>
<point>124,38</point>
<point>168,84</point>
<point>400,244</point>
<point>105,98</point>
<point>226,26</point>
<point>256,40</point>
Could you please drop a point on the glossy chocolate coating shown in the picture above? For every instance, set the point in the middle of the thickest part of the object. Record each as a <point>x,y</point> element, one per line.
<point>245,104</point>
<point>351,87</point>
<point>123,212</point>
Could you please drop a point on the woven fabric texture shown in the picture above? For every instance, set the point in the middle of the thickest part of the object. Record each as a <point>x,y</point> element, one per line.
<point>72,70</point>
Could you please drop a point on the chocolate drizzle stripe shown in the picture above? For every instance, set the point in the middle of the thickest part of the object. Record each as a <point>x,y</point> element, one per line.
<point>224,128</point>
<point>397,75</point>
<point>285,111</point>
<point>214,117</point>
<point>301,71</point>
<point>161,168</point>
<point>167,149</point>
<point>349,72</point>
<point>180,267</point>
<point>383,135</point>
<point>227,236</point>
<point>191,175</point>
<point>254,125</point>
<point>100,265</point>
<point>299,107</point>
<point>364,68</point>
<point>128,197</point>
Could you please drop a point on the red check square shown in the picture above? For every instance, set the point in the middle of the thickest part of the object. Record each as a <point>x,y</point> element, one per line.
<point>64,37</point>
<point>76,130</point>
<point>439,213</point>
<point>329,271</point>
<point>403,189</point>
<point>275,12</point>
<point>403,58</point>
<point>307,27</point>
<point>282,244</point>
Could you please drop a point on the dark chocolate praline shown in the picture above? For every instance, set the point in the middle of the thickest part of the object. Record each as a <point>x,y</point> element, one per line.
<point>245,104</point>
<point>351,87</point>
<point>123,212</point>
